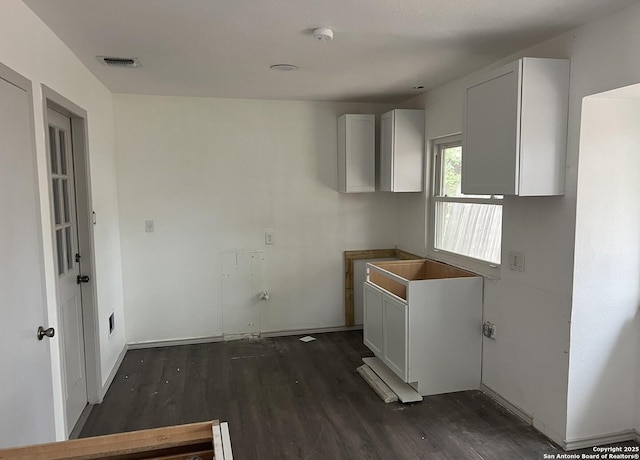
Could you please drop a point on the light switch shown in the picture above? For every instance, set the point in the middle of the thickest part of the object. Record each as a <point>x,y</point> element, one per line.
<point>515,261</point>
<point>148,226</point>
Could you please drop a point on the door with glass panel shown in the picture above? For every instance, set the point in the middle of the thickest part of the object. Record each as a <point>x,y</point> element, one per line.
<point>67,264</point>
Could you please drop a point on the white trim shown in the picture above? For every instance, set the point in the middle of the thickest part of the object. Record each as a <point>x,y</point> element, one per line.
<point>173,342</point>
<point>221,338</point>
<point>590,441</point>
<point>480,267</point>
<point>637,432</point>
<point>112,374</point>
<point>82,420</point>
<point>320,330</point>
<point>514,409</point>
<point>471,200</point>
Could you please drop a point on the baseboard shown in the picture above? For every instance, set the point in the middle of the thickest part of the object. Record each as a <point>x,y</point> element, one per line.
<point>637,433</point>
<point>173,342</point>
<point>84,416</point>
<point>321,330</point>
<point>112,374</point>
<point>515,410</point>
<point>581,443</point>
<point>221,338</point>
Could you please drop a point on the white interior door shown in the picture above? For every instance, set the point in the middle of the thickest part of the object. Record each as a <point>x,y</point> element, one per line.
<point>67,265</point>
<point>26,393</point>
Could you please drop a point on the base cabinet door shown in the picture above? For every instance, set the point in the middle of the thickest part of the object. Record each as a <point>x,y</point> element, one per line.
<point>373,319</point>
<point>395,320</point>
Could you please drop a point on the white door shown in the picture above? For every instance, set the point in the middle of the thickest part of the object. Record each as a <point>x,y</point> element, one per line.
<point>67,265</point>
<point>395,321</point>
<point>26,394</point>
<point>373,319</point>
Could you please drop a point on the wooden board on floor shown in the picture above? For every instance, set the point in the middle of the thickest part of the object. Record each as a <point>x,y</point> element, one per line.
<point>376,384</point>
<point>405,392</point>
<point>202,440</point>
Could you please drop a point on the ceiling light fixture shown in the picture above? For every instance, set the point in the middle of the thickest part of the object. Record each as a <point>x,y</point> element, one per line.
<point>323,34</point>
<point>284,67</point>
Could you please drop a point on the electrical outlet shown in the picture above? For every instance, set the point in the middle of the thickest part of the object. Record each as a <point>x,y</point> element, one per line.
<point>149,226</point>
<point>269,237</point>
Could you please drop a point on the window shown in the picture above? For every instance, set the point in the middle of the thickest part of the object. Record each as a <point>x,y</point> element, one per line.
<point>467,229</point>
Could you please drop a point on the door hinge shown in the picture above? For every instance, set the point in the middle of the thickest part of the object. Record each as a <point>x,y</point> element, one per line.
<point>77,257</point>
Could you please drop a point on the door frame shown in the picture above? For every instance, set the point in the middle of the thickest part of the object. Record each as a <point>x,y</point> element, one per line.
<point>84,210</point>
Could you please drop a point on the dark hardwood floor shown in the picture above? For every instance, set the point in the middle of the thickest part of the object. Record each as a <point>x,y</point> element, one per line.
<point>287,399</point>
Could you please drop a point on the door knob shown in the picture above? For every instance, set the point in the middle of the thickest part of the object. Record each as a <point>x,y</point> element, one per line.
<point>42,332</point>
<point>82,279</point>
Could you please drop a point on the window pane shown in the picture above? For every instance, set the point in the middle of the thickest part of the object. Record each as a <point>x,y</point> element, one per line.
<point>452,173</point>
<point>69,244</point>
<point>451,170</point>
<point>60,251</point>
<point>56,200</point>
<point>63,151</point>
<point>65,200</point>
<point>470,229</point>
<point>53,151</point>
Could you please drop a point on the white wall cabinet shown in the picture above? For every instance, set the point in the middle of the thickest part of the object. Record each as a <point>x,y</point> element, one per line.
<point>402,150</point>
<point>423,320</point>
<point>515,129</point>
<point>356,153</point>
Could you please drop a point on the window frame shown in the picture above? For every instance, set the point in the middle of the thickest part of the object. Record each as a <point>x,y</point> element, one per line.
<point>483,267</point>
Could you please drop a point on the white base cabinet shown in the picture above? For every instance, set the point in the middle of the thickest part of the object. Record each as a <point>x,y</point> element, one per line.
<point>423,319</point>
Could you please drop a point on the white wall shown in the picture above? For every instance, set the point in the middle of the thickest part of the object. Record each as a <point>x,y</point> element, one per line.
<point>213,174</point>
<point>528,362</point>
<point>31,49</point>
<point>604,329</point>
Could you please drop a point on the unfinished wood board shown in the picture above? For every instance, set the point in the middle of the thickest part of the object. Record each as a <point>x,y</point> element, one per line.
<point>405,392</point>
<point>349,257</point>
<point>179,442</point>
<point>437,270</point>
<point>396,288</point>
<point>376,384</point>
<point>422,269</point>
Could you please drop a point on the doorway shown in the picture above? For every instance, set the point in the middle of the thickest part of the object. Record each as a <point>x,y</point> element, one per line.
<point>72,238</point>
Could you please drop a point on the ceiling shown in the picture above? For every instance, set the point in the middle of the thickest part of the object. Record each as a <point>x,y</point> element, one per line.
<point>380,50</point>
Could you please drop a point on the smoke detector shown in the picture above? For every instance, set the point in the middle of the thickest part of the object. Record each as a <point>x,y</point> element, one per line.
<point>119,61</point>
<point>323,34</point>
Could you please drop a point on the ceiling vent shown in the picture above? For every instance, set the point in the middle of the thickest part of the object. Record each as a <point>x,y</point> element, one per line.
<point>118,61</point>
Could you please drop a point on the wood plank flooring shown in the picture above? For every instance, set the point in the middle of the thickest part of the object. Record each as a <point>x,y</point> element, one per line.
<point>285,399</point>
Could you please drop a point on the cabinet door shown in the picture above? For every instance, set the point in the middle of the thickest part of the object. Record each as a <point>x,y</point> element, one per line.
<point>356,153</point>
<point>490,151</point>
<point>373,319</point>
<point>386,151</point>
<point>394,318</point>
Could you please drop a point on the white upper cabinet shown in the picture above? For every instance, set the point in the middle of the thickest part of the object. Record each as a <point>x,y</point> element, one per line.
<point>515,129</point>
<point>402,150</point>
<point>356,153</point>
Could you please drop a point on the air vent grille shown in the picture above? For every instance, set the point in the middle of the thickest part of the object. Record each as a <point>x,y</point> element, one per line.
<point>118,61</point>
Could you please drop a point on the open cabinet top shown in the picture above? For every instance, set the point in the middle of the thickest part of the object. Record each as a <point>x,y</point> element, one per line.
<point>422,269</point>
